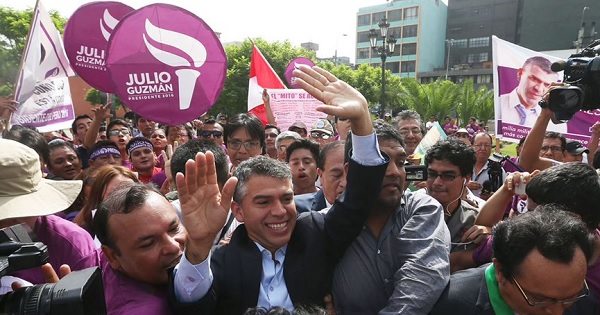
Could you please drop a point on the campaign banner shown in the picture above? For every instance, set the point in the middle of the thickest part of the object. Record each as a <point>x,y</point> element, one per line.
<point>294,65</point>
<point>521,77</point>
<point>291,105</point>
<point>433,135</point>
<point>86,38</point>
<point>166,64</point>
<point>42,88</point>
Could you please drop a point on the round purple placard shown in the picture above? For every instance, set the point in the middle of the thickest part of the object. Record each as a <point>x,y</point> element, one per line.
<point>166,64</point>
<point>86,40</point>
<point>290,68</point>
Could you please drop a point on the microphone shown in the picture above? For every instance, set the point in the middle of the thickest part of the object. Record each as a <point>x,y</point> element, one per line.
<point>558,66</point>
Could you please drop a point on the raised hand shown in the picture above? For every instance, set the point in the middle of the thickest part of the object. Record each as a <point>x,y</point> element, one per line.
<point>203,206</point>
<point>8,103</point>
<point>339,98</point>
<point>102,112</point>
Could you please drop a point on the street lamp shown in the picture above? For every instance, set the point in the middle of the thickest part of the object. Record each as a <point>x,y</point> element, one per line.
<point>386,49</point>
<point>450,42</point>
<point>581,30</point>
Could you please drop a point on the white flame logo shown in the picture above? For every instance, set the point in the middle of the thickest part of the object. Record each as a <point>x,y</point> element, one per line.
<point>110,21</point>
<point>189,45</point>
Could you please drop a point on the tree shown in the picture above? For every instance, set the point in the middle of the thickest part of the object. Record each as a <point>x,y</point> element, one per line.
<point>437,98</point>
<point>471,103</point>
<point>14,28</point>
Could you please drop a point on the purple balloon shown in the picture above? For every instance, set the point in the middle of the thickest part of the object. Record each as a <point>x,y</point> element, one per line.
<point>86,40</point>
<point>290,68</point>
<point>166,64</point>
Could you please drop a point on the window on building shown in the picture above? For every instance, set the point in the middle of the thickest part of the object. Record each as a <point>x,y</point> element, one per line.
<point>411,13</point>
<point>377,17</point>
<point>483,79</point>
<point>483,57</point>
<point>394,15</point>
<point>396,31</point>
<point>473,58</point>
<point>394,67</point>
<point>409,49</point>
<point>479,42</point>
<point>459,43</point>
<point>396,50</point>
<point>363,20</point>
<point>409,31</point>
<point>362,37</point>
<point>363,53</point>
<point>408,66</point>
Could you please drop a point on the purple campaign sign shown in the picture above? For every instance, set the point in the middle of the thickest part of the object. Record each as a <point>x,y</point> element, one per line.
<point>290,68</point>
<point>86,40</point>
<point>166,64</point>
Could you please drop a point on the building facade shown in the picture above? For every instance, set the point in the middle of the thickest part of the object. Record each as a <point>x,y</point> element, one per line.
<point>419,27</point>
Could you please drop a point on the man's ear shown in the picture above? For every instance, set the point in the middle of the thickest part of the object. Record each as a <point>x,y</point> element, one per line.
<point>519,74</point>
<point>237,211</point>
<point>498,270</point>
<point>319,172</point>
<point>91,162</point>
<point>111,255</point>
<point>346,166</point>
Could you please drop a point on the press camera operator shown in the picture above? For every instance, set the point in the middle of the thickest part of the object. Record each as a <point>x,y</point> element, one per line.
<point>485,173</point>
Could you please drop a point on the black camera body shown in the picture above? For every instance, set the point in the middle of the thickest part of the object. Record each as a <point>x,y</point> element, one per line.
<point>78,293</point>
<point>415,173</point>
<point>582,76</point>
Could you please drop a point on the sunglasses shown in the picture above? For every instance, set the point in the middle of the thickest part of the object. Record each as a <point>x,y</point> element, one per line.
<point>207,134</point>
<point>322,135</point>
<point>117,132</point>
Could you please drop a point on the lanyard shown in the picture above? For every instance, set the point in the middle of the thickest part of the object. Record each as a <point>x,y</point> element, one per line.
<point>498,303</point>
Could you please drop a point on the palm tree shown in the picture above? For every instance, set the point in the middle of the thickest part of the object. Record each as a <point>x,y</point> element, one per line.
<point>434,99</point>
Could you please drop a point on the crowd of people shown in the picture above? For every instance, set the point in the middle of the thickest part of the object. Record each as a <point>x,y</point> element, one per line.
<point>226,215</point>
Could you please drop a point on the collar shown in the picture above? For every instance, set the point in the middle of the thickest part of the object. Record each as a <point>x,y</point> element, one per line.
<point>498,303</point>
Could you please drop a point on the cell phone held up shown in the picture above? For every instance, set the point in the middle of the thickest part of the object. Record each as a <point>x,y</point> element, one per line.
<point>416,173</point>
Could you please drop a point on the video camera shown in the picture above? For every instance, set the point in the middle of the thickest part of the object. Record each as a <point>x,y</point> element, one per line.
<point>582,76</point>
<point>78,293</point>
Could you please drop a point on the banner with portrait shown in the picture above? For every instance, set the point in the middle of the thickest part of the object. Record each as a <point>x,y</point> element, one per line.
<point>521,77</point>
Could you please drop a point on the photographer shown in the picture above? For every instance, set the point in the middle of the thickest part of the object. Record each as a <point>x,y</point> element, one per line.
<point>484,172</point>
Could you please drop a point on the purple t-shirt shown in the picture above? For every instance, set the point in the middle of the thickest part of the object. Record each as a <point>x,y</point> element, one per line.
<point>124,295</point>
<point>67,244</point>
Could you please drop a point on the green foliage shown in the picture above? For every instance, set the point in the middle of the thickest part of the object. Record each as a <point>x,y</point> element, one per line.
<point>14,28</point>
<point>96,97</point>
<point>437,98</point>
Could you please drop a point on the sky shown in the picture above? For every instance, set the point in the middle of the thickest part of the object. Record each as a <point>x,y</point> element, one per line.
<point>320,21</point>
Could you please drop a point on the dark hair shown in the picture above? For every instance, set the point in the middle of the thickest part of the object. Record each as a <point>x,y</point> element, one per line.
<point>557,135</point>
<point>251,123</point>
<point>188,151</point>
<point>120,122</point>
<point>539,61</point>
<point>455,152</point>
<point>130,115</point>
<point>575,186</point>
<point>259,165</point>
<point>596,163</point>
<point>138,139</point>
<point>123,200</point>
<point>555,233</point>
<point>303,143</point>
<point>273,126</point>
<point>330,147</point>
<point>383,130</point>
<point>278,310</point>
<point>56,144</point>
<point>30,138</point>
<point>74,124</point>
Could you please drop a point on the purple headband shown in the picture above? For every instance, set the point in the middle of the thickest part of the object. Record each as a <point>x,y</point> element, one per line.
<point>104,151</point>
<point>139,144</point>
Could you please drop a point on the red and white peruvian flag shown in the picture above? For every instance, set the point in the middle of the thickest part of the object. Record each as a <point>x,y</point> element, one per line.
<point>262,76</point>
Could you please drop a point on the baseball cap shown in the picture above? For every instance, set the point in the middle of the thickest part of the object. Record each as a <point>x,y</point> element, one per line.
<point>462,130</point>
<point>23,190</point>
<point>575,147</point>
<point>322,125</point>
<point>298,124</point>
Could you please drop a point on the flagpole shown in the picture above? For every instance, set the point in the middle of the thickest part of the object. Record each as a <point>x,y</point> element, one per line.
<point>20,73</point>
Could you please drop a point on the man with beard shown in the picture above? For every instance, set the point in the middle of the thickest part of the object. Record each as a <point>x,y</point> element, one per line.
<point>400,261</point>
<point>141,154</point>
<point>302,156</point>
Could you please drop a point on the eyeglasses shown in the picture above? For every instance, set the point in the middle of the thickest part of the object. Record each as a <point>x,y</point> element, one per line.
<point>214,133</point>
<point>237,144</point>
<point>553,148</point>
<point>447,177</point>
<point>116,132</point>
<point>479,146</point>
<point>322,135</point>
<point>584,292</point>
<point>154,136</point>
<point>271,135</point>
<point>414,131</point>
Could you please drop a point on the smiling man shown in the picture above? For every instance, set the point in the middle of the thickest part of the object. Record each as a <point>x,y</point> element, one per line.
<point>410,126</point>
<point>275,258</point>
<point>64,163</point>
<point>141,155</point>
<point>142,239</point>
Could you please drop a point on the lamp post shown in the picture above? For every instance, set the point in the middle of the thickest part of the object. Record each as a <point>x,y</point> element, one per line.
<point>335,57</point>
<point>581,30</point>
<point>386,49</point>
<point>450,42</point>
